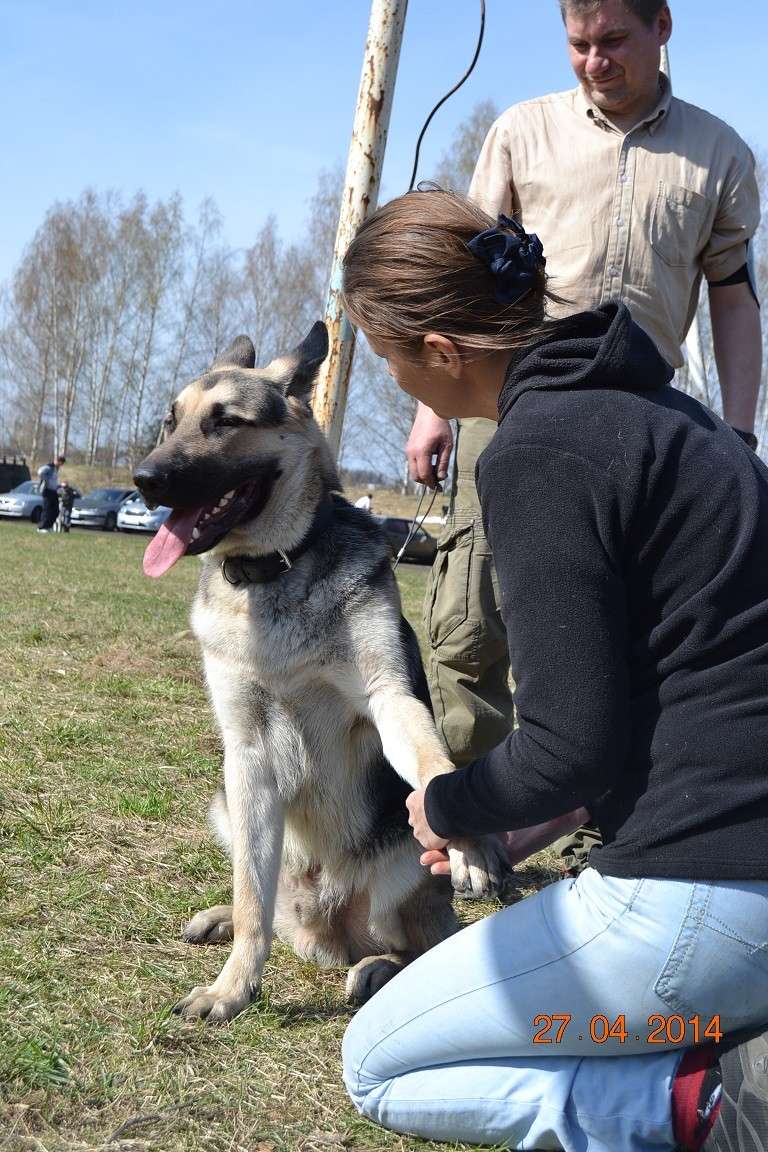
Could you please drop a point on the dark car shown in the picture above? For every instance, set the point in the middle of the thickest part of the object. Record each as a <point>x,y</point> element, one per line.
<point>98,509</point>
<point>13,473</point>
<point>421,547</point>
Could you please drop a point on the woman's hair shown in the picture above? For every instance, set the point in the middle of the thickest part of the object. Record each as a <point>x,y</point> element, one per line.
<point>409,271</point>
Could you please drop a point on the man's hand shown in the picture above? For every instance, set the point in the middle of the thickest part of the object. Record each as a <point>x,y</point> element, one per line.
<point>430,436</point>
<point>418,821</point>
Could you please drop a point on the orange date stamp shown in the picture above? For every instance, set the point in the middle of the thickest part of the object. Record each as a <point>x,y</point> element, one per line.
<point>551,1029</point>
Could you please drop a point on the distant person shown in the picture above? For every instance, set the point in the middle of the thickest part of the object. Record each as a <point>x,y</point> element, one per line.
<point>365,502</point>
<point>67,496</point>
<point>636,195</point>
<point>48,477</point>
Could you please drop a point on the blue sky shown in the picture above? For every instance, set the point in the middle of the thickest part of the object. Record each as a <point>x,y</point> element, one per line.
<point>247,102</point>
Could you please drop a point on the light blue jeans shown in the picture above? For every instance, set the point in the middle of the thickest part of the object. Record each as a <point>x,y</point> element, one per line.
<point>459,1046</point>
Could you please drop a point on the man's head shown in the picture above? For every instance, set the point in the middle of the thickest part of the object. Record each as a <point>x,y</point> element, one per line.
<point>61,460</point>
<point>615,49</point>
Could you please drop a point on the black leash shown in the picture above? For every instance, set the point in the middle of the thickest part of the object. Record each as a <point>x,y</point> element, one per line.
<point>448,95</point>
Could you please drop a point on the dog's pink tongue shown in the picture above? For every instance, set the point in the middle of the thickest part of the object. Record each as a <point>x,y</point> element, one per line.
<point>170,542</point>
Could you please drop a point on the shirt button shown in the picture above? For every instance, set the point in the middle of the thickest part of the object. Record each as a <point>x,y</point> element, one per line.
<point>619,221</point>
<point>613,270</point>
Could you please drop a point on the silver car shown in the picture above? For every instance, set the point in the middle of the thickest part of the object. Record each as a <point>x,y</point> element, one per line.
<point>23,502</point>
<point>99,509</point>
<point>134,516</point>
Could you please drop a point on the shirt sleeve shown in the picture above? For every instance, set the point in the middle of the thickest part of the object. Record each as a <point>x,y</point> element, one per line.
<point>737,218</point>
<point>553,527</point>
<point>492,185</point>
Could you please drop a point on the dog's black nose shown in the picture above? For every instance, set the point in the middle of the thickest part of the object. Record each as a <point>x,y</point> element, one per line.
<point>150,481</point>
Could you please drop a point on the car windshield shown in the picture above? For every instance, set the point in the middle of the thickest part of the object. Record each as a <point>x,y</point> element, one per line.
<point>107,493</point>
<point>25,488</point>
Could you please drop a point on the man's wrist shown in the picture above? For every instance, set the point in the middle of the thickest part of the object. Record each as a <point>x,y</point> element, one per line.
<point>749,438</point>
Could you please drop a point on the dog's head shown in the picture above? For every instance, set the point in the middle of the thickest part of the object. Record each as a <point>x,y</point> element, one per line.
<point>228,439</point>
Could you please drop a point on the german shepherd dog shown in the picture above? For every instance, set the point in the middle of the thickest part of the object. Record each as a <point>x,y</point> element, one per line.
<point>316,683</point>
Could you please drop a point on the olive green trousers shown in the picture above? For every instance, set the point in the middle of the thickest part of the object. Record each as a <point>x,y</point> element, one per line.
<point>468,671</point>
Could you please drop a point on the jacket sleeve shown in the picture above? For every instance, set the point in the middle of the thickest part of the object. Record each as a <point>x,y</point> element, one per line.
<point>553,523</point>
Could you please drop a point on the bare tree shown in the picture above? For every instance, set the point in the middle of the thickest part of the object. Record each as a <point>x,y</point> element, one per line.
<point>456,165</point>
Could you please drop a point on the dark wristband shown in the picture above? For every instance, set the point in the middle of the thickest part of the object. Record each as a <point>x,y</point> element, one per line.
<point>749,438</point>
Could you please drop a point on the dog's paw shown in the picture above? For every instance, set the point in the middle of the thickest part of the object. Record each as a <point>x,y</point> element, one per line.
<point>206,1003</point>
<point>480,868</point>
<point>368,975</point>
<point>211,926</point>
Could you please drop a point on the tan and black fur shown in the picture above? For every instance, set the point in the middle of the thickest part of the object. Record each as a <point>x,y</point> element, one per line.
<point>319,694</point>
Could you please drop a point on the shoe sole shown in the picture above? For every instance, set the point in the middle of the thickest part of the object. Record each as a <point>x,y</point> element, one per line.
<point>742,1123</point>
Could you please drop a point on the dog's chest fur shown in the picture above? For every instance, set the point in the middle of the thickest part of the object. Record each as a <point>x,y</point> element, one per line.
<point>283,682</point>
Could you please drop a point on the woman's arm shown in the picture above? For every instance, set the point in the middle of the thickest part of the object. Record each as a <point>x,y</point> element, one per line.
<point>554,524</point>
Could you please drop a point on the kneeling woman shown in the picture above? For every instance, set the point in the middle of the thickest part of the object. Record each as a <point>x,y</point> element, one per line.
<point>629,528</point>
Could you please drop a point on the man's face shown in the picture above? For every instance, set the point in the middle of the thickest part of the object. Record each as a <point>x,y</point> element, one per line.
<point>616,56</point>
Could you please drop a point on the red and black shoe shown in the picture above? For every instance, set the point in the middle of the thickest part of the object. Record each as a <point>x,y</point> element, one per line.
<point>741,1123</point>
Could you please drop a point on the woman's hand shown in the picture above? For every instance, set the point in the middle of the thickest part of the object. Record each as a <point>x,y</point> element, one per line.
<point>520,844</point>
<point>418,821</point>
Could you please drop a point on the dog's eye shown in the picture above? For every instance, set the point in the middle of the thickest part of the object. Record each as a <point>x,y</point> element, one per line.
<point>169,424</point>
<point>231,421</point>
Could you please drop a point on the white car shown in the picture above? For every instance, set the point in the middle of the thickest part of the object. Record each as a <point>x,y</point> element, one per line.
<point>134,516</point>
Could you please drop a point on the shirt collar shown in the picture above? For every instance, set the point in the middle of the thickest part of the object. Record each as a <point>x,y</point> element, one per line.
<point>651,122</point>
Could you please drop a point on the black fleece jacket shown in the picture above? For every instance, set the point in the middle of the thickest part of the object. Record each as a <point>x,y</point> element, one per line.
<point>629,528</point>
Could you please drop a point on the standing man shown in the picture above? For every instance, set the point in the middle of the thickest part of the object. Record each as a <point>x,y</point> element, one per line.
<point>48,475</point>
<point>636,195</point>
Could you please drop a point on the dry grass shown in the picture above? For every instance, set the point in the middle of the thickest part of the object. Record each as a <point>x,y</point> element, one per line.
<point>107,760</point>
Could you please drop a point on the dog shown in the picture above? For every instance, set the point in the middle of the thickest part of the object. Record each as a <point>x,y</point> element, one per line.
<point>316,682</point>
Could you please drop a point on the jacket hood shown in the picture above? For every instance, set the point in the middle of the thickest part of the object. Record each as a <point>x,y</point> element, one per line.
<point>599,349</point>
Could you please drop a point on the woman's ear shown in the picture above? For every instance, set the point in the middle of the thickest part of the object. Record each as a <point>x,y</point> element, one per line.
<point>441,352</point>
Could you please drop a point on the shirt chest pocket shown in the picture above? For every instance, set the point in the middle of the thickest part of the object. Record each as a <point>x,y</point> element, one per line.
<point>678,219</point>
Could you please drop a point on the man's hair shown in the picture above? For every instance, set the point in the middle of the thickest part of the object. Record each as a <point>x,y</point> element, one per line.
<point>645,10</point>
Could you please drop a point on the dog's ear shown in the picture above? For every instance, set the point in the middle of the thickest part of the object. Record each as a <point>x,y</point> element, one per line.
<point>295,373</point>
<point>240,354</point>
<point>309,355</point>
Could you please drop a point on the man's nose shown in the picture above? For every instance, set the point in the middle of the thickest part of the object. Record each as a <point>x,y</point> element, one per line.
<point>596,63</point>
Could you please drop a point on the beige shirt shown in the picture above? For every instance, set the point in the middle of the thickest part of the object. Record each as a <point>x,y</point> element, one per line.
<point>638,216</point>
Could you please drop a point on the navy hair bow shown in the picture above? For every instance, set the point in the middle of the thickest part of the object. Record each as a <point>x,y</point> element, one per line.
<point>514,260</point>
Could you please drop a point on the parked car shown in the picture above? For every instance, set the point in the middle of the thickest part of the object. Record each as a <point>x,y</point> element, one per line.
<point>13,472</point>
<point>421,547</point>
<point>99,509</point>
<point>134,516</point>
<point>23,502</point>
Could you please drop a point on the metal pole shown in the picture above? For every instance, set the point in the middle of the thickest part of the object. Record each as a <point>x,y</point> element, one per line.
<point>361,188</point>
<point>697,366</point>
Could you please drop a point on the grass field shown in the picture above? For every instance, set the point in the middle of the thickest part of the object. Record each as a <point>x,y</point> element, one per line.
<point>108,757</point>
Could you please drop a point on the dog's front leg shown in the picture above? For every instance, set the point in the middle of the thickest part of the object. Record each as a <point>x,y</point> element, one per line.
<point>256,821</point>
<point>410,741</point>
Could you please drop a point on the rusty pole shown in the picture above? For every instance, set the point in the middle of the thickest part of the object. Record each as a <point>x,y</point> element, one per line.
<point>361,187</point>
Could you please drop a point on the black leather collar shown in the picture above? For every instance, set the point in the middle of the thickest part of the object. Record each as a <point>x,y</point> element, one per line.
<point>239,570</point>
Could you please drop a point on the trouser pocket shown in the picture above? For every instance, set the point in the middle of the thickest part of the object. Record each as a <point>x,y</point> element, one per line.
<point>718,963</point>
